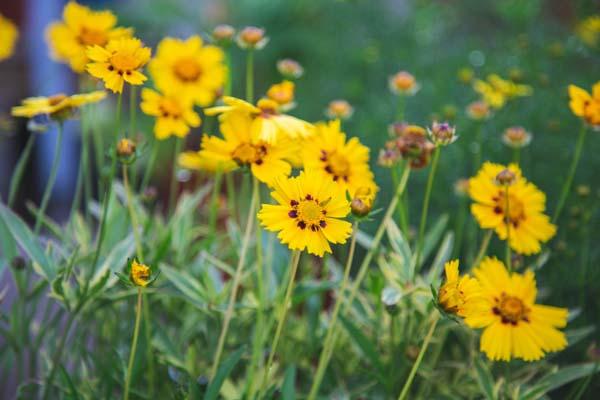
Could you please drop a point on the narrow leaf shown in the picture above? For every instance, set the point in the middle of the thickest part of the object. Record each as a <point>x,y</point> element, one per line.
<point>224,371</point>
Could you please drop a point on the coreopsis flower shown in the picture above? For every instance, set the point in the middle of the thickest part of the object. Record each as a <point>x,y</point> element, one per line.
<point>442,134</point>
<point>336,159</point>
<point>309,214</point>
<point>174,114</point>
<point>119,62</point>
<point>223,34</point>
<point>290,69</point>
<point>479,110</point>
<point>339,109</point>
<point>268,123</point>
<point>189,68</point>
<point>82,27</point>
<point>411,143</point>
<point>521,215</point>
<point>140,273</point>
<point>403,83</point>
<point>362,201</point>
<point>496,91</point>
<point>516,137</point>
<point>241,148</point>
<point>586,105</point>
<point>459,295</point>
<point>9,34</point>
<point>58,107</point>
<point>588,30</point>
<point>125,147</point>
<point>283,94</point>
<point>252,38</point>
<point>514,325</point>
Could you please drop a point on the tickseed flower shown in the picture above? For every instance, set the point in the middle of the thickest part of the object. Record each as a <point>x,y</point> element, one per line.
<point>525,217</point>
<point>496,91</point>
<point>586,105</point>
<point>58,107</point>
<point>268,123</point>
<point>9,34</point>
<point>345,162</point>
<point>478,110</point>
<point>125,148</point>
<point>339,109</point>
<point>403,83</point>
<point>411,143</point>
<point>189,68</point>
<point>241,148</point>
<point>308,214</point>
<point>174,114</point>
<point>459,295</point>
<point>516,137</point>
<point>252,38</point>
<point>442,134</point>
<point>82,27</point>
<point>362,201</point>
<point>588,30</point>
<point>223,34</point>
<point>290,69</point>
<point>283,94</point>
<point>140,274</point>
<point>119,62</point>
<point>514,326</point>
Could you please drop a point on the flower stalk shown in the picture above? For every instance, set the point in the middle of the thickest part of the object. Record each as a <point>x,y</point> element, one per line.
<point>136,332</point>
<point>17,177</point>
<point>422,225</point>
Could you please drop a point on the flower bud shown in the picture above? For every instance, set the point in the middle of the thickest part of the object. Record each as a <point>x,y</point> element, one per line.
<point>289,68</point>
<point>442,134</point>
<point>339,109</point>
<point>18,263</point>
<point>223,34</point>
<point>125,148</point>
<point>140,273</point>
<point>403,83</point>
<point>505,177</point>
<point>252,38</point>
<point>478,110</point>
<point>516,137</point>
<point>362,202</point>
<point>282,93</point>
<point>388,157</point>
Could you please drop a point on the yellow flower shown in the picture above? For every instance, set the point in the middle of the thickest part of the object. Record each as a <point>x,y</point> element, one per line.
<point>59,106</point>
<point>496,91</point>
<point>362,201</point>
<point>336,159</point>
<point>82,27</point>
<point>240,148</point>
<point>588,30</point>
<point>119,62</point>
<point>282,93</point>
<point>526,205</point>
<point>174,114</point>
<point>189,68</point>
<point>9,34</point>
<point>268,123</point>
<point>514,326</point>
<point>309,214</point>
<point>140,273</point>
<point>459,295</point>
<point>586,105</point>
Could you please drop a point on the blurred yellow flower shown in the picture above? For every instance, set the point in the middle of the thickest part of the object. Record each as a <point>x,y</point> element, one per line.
<point>496,91</point>
<point>9,34</point>
<point>189,68</point>
<point>339,109</point>
<point>478,110</point>
<point>140,273</point>
<point>586,105</point>
<point>466,75</point>
<point>362,201</point>
<point>403,83</point>
<point>335,159</point>
<point>523,211</point>
<point>60,106</point>
<point>240,148</point>
<point>119,62</point>
<point>174,114</point>
<point>282,93</point>
<point>309,214</point>
<point>588,30</point>
<point>516,137</point>
<point>459,295</point>
<point>268,123</point>
<point>82,27</point>
<point>514,326</point>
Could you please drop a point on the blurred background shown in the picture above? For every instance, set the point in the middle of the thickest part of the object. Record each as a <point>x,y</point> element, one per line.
<point>348,50</point>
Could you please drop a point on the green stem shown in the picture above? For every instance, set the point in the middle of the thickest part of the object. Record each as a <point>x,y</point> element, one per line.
<point>136,331</point>
<point>150,166</point>
<point>483,248</point>
<point>174,182</point>
<point>132,123</point>
<point>51,180</point>
<point>567,185</point>
<point>415,367</point>
<point>331,329</point>
<point>17,177</point>
<point>423,224</point>
<point>132,214</point>
<point>250,76</point>
<point>57,356</point>
<point>281,317</point>
<point>87,178</point>
<point>228,83</point>
<point>516,155</point>
<point>401,108</point>
<point>479,149</point>
<point>214,204</point>
<point>78,186</point>
<point>235,285</point>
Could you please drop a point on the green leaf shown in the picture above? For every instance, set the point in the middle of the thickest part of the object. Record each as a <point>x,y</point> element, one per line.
<point>224,371</point>
<point>114,261</point>
<point>23,235</point>
<point>557,379</point>
<point>576,335</point>
<point>187,284</point>
<point>442,256</point>
<point>484,379</point>
<point>368,348</point>
<point>288,388</point>
<point>364,240</point>
<point>400,246</point>
<point>432,237</point>
<point>7,245</point>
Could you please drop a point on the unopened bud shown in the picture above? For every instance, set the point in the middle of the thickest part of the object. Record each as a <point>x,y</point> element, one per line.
<point>362,202</point>
<point>516,137</point>
<point>339,109</point>
<point>125,148</point>
<point>506,177</point>
<point>403,83</point>
<point>442,134</point>
<point>478,110</point>
<point>289,68</point>
<point>252,37</point>
<point>223,34</point>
